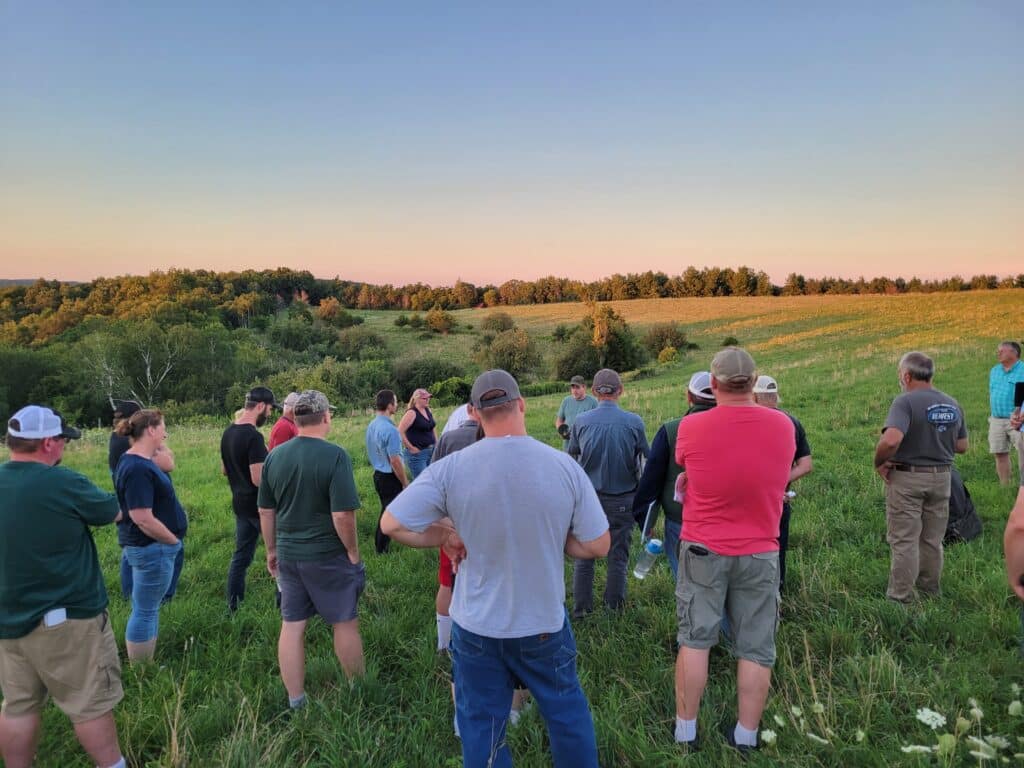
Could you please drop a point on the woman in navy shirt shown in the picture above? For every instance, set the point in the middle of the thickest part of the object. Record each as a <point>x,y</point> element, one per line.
<point>418,432</point>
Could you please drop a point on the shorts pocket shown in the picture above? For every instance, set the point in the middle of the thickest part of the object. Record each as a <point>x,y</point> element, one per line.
<point>700,569</point>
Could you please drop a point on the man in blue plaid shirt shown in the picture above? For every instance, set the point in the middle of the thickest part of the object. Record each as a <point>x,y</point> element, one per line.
<point>1001,433</point>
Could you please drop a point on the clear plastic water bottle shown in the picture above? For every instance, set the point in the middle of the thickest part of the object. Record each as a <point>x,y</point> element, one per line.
<point>648,557</point>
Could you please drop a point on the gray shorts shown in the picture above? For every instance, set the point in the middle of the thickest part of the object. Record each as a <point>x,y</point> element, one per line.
<point>745,588</point>
<point>330,588</point>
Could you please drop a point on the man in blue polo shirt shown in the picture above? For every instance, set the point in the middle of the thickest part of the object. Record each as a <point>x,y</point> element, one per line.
<point>1001,434</point>
<point>609,444</point>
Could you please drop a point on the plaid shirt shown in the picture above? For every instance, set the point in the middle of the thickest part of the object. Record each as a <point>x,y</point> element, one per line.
<point>1000,388</point>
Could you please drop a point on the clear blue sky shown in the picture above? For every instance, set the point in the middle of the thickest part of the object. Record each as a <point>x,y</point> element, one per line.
<point>416,141</point>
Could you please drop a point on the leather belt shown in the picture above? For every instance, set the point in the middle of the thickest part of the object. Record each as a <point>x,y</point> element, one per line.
<point>916,468</point>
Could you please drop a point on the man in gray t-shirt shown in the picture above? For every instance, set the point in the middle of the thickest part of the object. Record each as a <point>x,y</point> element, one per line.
<point>923,431</point>
<point>506,509</point>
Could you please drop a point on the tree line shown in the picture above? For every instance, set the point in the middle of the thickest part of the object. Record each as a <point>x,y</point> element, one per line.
<point>30,314</point>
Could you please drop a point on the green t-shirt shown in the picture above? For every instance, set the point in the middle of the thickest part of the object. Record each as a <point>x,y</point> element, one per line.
<point>571,408</point>
<point>305,480</point>
<point>47,555</point>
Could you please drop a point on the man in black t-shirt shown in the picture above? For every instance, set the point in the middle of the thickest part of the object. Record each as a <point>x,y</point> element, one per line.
<point>242,453</point>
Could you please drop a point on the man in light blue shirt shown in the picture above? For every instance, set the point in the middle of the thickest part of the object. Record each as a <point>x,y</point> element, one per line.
<point>1001,382</point>
<point>384,448</point>
<point>610,444</point>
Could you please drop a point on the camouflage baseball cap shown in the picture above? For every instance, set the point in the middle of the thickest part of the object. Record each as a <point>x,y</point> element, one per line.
<point>311,401</point>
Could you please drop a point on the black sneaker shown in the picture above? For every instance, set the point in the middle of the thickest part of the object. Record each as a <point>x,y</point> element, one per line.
<point>745,750</point>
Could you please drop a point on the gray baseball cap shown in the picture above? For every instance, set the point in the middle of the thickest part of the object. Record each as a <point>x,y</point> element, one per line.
<point>493,388</point>
<point>733,365</point>
<point>607,382</point>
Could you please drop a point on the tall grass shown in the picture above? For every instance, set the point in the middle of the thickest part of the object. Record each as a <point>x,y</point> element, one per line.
<point>854,666</point>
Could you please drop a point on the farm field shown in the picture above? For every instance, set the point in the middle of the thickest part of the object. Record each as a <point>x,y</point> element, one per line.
<point>855,667</point>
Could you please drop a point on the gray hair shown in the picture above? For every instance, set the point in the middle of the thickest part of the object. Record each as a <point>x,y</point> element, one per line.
<point>918,365</point>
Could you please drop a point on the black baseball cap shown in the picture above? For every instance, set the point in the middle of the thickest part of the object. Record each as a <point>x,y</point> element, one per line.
<point>261,395</point>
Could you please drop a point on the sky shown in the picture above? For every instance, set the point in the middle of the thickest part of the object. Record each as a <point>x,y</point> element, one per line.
<point>399,142</point>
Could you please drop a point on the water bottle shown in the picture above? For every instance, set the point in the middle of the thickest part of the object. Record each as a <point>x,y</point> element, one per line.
<point>648,557</point>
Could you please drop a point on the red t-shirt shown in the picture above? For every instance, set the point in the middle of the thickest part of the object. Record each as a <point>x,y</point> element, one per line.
<point>737,461</point>
<point>283,431</point>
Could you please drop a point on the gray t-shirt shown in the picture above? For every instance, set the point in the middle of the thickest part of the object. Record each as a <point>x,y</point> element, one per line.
<point>931,423</point>
<point>513,501</point>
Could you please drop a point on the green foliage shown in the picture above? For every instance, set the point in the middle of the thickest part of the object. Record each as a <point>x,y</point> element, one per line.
<point>348,384</point>
<point>407,374</point>
<point>538,388</point>
<point>514,351</point>
<point>562,332</point>
<point>451,391</point>
<point>497,322</point>
<point>730,341</point>
<point>668,355</point>
<point>662,335</point>
<point>300,310</point>
<point>361,344</point>
<point>331,312</point>
<point>402,320</point>
<point>299,334</point>
<point>440,321</point>
<point>415,320</point>
<point>602,340</point>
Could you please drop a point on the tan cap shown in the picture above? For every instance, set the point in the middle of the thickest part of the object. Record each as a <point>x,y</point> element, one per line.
<point>733,365</point>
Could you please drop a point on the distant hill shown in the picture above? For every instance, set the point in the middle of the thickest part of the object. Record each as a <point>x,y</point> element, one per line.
<point>5,282</point>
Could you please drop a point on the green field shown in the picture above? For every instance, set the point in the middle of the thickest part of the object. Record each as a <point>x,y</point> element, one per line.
<point>856,666</point>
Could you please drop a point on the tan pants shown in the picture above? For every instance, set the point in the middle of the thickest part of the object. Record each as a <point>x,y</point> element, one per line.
<point>916,510</point>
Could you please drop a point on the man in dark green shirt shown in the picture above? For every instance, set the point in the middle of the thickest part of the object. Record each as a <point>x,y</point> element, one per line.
<point>55,636</point>
<point>307,502</point>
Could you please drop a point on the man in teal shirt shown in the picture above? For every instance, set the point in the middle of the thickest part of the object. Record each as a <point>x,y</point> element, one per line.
<point>307,503</point>
<point>55,635</point>
<point>1001,382</point>
<point>575,403</point>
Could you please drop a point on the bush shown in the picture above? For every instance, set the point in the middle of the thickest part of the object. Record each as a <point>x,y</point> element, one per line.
<point>562,332</point>
<point>331,312</point>
<point>402,320</point>
<point>661,335</point>
<point>415,320</point>
<point>346,384</point>
<point>440,321</point>
<point>361,344</point>
<point>498,322</point>
<point>452,391</point>
<point>602,340</point>
<point>668,355</point>
<point>296,335</point>
<point>409,373</point>
<point>542,388</point>
<point>513,351</point>
<point>730,341</point>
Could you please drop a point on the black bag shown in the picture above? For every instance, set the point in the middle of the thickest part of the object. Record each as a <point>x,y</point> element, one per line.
<point>964,523</point>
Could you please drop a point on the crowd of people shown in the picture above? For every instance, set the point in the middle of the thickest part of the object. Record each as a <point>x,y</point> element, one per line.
<point>503,510</point>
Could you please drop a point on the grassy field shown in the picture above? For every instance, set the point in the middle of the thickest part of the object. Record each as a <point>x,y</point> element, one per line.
<point>855,667</point>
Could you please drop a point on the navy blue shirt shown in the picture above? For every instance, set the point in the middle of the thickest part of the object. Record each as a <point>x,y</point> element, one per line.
<point>141,484</point>
<point>609,443</point>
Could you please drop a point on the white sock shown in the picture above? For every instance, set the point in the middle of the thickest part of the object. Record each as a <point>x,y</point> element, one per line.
<point>444,632</point>
<point>513,716</point>
<point>744,736</point>
<point>686,730</point>
<point>119,764</point>
<point>298,702</point>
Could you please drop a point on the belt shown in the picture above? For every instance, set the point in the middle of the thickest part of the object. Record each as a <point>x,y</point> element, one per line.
<point>917,468</point>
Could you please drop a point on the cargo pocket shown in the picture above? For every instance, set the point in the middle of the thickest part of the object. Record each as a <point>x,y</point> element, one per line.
<point>700,569</point>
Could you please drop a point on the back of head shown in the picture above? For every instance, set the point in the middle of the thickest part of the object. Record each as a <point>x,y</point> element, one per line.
<point>918,365</point>
<point>495,393</point>
<point>384,398</point>
<point>607,383</point>
<point>31,425</point>
<point>135,426</point>
<point>311,408</point>
<point>699,388</point>
<point>734,370</point>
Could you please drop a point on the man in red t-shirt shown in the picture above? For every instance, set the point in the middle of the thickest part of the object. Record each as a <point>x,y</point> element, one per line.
<point>736,460</point>
<point>284,429</point>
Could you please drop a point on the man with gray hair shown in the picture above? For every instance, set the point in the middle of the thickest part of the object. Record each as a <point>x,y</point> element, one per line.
<point>1002,433</point>
<point>284,428</point>
<point>923,431</point>
<point>308,502</point>
<point>610,444</point>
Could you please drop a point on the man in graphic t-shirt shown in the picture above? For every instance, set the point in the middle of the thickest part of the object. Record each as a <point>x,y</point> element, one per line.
<point>923,431</point>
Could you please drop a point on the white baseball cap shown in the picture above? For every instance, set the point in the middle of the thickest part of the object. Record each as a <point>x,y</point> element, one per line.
<point>766,385</point>
<point>34,422</point>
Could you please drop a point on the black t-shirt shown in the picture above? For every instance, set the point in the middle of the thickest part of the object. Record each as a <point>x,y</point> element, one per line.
<point>240,446</point>
<point>803,448</point>
<point>116,449</point>
<point>141,484</point>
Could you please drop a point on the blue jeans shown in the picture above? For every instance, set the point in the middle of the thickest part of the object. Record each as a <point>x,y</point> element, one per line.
<point>672,530</point>
<point>247,535</point>
<point>417,462</point>
<point>152,574</point>
<point>126,576</point>
<point>484,669</point>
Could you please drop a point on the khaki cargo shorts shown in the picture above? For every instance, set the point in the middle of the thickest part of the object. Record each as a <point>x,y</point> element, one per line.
<point>745,588</point>
<point>75,662</point>
<point>1001,436</point>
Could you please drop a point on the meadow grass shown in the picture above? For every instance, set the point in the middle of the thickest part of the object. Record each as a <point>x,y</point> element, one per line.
<point>854,666</point>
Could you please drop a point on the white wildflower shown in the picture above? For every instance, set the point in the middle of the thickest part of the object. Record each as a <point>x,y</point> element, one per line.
<point>931,718</point>
<point>816,738</point>
<point>860,736</point>
<point>768,736</point>
<point>977,714</point>
<point>818,708</point>
<point>911,749</point>
<point>982,750</point>
<point>1016,709</point>
<point>997,741</point>
<point>780,721</point>
<point>797,712</point>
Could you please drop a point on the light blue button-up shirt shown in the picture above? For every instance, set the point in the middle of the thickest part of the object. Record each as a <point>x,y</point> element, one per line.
<point>1000,388</point>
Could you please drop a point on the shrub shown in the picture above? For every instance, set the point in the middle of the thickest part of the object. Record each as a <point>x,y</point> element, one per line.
<point>402,320</point>
<point>602,340</point>
<point>452,391</point>
<point>331,312</point>
<point>415,320</point>
<point>730,341</point>
<point>542,388</point>
<point>512,350</point>
<point>440,321</point>
<point>661,335</point>
<point>668,355</point>
<point>296,335</point>
<point>361,344</point>
<point>498,322</point>
<point>409,373</point>
<point>562,332</point>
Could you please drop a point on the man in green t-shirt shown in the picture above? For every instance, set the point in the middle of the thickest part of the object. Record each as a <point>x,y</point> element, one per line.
<point>55,636</point>
<point>307,503</point>
<point>575,403</point>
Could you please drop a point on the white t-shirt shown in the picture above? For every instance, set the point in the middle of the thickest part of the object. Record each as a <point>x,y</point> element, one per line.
<point>458,416</point>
